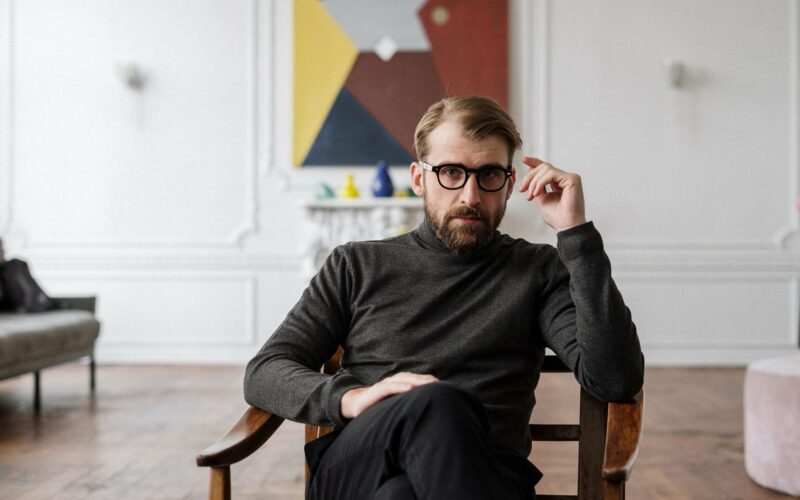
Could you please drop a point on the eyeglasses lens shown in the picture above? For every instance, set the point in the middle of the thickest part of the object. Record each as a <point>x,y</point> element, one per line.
<point>492,179</point>
<point>489,178</point>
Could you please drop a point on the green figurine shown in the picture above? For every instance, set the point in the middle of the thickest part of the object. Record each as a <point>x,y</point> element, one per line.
<point>325,192</point>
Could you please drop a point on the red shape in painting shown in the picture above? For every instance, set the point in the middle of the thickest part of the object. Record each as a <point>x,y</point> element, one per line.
<point>396,92</point>
<point>469,44</point>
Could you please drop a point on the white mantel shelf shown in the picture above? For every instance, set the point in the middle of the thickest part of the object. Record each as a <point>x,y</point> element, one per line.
<point>366,203</point>
<point>336,221</point>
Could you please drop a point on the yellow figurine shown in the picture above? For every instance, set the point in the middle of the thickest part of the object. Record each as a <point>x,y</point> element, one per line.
<point>349,190</point>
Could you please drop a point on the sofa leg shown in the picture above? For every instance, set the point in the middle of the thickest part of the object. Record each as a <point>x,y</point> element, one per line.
<point>91,372</point>
<point>37,398</point>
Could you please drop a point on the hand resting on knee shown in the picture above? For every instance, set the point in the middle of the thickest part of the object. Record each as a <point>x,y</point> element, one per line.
<point>356,401</point>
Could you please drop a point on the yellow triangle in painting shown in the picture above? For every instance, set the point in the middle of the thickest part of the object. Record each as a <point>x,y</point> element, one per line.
<point>323,57</point>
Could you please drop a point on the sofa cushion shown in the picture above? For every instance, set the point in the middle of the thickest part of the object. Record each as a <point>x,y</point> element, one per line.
<point>31,336</point>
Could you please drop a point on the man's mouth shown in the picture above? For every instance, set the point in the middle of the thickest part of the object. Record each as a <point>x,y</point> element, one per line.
<point>468,219</point>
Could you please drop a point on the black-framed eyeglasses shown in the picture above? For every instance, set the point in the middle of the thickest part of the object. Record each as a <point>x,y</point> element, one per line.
<point>456,176</point>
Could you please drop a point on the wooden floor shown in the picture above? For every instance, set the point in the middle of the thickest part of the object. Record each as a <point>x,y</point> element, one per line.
<point>138,435</point>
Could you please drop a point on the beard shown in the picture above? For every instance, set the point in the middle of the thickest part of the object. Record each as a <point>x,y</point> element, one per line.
<point>464,239</point>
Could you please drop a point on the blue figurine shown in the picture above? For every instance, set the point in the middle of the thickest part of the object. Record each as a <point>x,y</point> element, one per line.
<point>382,184</point>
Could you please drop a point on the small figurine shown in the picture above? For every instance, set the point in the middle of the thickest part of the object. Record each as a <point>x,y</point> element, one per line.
<point>382,184</point>
<point>349,190</point>
<point>406,192</point>
<point>324,192</point>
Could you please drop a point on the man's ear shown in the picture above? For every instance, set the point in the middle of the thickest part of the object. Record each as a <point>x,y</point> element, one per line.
<point>416,179</point>
<point>511,182</point>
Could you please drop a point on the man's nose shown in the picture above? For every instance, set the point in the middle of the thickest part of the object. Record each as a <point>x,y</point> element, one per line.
<point>471,193</point>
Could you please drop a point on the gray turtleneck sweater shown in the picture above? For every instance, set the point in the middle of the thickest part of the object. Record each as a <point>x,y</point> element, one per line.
<point>481,322</point>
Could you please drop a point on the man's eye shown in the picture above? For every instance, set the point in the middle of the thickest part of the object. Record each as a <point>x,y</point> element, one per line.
<point>452,172</point>
<point>490,174</point>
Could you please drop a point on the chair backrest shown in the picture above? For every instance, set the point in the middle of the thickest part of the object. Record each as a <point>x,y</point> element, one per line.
<point>590,433</point>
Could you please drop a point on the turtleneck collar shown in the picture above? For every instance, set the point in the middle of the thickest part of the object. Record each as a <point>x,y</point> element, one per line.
<point>427,237</point>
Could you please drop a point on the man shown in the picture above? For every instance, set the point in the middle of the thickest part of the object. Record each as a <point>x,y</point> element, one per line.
<point>444,328</point>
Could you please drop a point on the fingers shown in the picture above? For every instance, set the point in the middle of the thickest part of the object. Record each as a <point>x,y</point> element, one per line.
<point>390,386</point>
<point>414,379</point>
<point>548,175</point>
<point>384,389</point>
<point>401,382</point>
<point>532,161</point>
<point>538,178</point>
<point>355,401</point>
<point>544,178</point>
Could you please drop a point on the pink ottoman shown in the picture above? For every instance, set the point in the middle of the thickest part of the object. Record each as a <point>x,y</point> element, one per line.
<point>772,423</point>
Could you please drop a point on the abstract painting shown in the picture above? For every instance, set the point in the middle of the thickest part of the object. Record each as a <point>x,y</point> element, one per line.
<point>366,70</point>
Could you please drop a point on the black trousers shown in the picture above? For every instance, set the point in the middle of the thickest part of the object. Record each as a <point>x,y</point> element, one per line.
<point>431,443</point>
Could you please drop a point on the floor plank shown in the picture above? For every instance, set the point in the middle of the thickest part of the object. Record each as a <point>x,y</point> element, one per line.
<point>137,436</point>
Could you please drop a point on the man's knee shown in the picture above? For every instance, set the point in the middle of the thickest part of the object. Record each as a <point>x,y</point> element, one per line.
<point>396,488</point>
<point>441,391</point>
<point>445,401</point>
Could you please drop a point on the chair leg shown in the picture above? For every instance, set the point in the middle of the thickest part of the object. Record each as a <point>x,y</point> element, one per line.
<point>37,398</point>
<point>614,491</point>
<point>91,372</point>
<point>593,418</point>
<point>220,486</point>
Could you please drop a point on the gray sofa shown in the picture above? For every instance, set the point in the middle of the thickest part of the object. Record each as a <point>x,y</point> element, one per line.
<point>30,342</point>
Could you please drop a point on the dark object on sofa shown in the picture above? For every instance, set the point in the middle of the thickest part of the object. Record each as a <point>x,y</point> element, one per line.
<point>20,291</point>
<point>30,342</point>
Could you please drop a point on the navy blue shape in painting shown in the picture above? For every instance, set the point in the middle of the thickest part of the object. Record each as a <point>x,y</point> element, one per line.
<point>352,136</point>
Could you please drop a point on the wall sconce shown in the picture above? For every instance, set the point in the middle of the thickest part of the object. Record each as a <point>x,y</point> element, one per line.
<point>131,75</point>
<point>675,72</point>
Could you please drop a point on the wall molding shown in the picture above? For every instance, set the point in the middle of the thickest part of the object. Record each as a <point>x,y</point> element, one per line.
<point>254,130</point>
<point>266,87</point>
<point>93,261</point>
<point>283,175</point>
<point>6,119</point>
<point>708,264</point>
<point>756,346</point>
<point>786,237</point>
<point>710,356</point>
<point>248,281</point>
<point>258,143</point>
<point>540,22</point>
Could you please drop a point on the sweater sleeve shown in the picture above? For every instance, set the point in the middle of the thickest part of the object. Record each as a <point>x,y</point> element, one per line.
<point>584,320</point>
<point>284,377</point>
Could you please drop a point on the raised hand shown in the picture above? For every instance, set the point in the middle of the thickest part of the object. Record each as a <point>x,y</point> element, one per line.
<point>562,207</point>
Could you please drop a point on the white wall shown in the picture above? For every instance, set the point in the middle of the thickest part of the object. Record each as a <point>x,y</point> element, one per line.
<point>177,205</point>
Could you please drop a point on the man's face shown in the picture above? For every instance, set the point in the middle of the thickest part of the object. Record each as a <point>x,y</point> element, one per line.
<point>463,219</point>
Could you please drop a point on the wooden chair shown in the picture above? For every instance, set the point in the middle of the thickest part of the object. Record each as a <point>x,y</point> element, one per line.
<point>608,442</point>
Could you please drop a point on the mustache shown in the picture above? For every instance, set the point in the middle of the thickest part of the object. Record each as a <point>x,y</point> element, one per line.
<point>472,212</point>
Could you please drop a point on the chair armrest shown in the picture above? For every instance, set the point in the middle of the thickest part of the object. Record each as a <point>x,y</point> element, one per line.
<point>623,434</point>
<point>249,433</point>
<point>82,303</point>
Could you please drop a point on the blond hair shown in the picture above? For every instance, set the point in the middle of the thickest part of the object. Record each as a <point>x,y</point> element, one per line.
<point>479,117</point>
